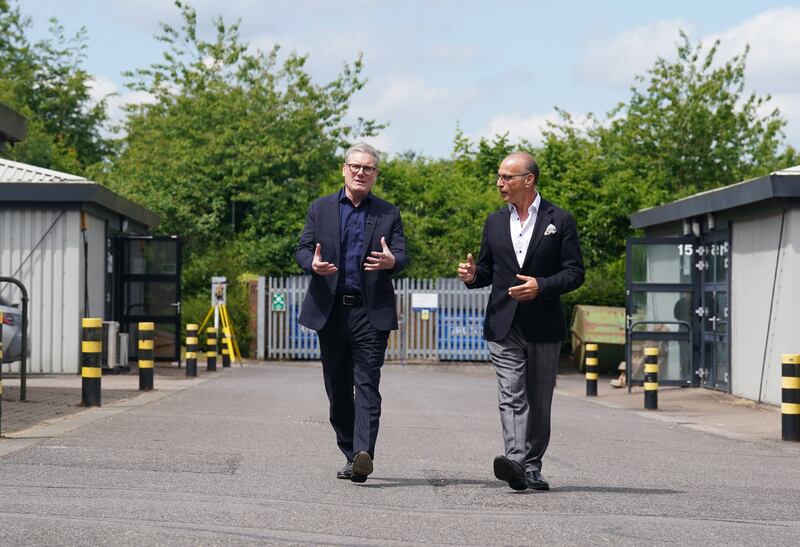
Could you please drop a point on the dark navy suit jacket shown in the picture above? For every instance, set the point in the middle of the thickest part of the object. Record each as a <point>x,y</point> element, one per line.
<point>554,260</point>
<point>377,291</point>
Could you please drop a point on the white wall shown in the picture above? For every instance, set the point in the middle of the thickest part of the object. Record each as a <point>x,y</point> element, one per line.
<point>51,275</point>
<point>764,321</point>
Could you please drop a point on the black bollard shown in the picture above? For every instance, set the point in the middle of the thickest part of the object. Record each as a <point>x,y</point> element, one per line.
<point>146,362</point>
<point>226,357</point>
<point>211,349</point>
<point>191,350</point>
<point>790,397</point>
<point>591,370</point>
<point>91,349</point>
<point>651,378</point>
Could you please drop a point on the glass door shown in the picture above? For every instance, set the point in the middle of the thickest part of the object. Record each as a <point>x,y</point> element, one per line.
<point>660,297</point>
<point>714,310</point>
<point>149,289</point>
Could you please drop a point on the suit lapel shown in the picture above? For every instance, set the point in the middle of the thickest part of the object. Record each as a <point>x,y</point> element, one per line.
<point>543,219</point>
<point>505,228</point>
<point>332,223</point>
<point>372,220</point>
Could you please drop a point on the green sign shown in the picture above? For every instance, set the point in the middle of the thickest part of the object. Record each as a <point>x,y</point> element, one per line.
<point>278,301</point>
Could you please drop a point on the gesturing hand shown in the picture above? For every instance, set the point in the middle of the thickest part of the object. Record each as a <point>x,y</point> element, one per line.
<point>467,270</point>
<point>527,291</point>
<point>380,260</point>
<point>320,267</point>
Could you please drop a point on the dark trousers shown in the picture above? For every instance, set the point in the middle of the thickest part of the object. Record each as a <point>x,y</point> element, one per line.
<point>352,355</point>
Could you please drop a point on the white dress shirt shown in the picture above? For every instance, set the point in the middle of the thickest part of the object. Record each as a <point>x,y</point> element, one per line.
<point>521,232</point>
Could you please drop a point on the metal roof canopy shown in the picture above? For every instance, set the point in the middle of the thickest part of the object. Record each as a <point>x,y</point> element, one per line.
<point>780,184</point>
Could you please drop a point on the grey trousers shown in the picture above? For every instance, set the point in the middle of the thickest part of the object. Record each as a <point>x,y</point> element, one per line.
<point>526,377</point>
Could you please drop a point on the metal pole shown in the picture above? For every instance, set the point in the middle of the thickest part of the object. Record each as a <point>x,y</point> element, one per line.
<point>1,374</point>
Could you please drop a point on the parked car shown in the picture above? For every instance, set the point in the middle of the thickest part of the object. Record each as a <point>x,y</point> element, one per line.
<point>12,331</point>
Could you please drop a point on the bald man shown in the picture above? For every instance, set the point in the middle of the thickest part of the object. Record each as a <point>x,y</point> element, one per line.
<point>530,255</point>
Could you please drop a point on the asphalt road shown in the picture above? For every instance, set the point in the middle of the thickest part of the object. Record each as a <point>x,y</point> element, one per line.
<point>248,457</point>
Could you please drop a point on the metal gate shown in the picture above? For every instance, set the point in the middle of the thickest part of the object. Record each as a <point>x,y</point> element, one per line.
<point>439,319</point>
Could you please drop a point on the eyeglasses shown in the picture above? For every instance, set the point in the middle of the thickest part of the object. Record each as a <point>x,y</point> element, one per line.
<point>507,178</point>
<point>356,167</point>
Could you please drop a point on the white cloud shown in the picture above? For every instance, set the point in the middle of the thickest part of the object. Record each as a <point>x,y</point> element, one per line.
<point>773,64</point>
<point>412,97</point>
<point>616,60</point>
<point>102,87</point>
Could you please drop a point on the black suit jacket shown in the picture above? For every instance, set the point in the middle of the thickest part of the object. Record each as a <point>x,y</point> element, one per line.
<point>322,226</point>
<point>554,260</point>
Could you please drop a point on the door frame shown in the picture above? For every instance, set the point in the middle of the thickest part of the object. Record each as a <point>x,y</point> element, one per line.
<point>122,277</point>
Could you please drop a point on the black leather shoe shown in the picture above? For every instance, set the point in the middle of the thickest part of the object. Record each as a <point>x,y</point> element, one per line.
<point>345,472</point>
<point>362,466</point>
<point>536,481</point>
<point>511,472</point>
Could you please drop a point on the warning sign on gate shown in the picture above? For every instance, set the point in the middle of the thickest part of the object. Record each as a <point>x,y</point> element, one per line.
<point>278,301</point>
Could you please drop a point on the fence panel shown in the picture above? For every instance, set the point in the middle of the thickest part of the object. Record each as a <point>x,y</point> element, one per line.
<point>450,330</point>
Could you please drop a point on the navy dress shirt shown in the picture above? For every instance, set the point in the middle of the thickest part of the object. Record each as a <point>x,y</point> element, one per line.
<point>352,226</point>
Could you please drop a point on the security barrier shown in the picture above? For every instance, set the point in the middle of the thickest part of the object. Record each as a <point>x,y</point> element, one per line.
<point>591,370</point>
<point>790,397</point>
<point>191,350</point>
<point>651,378</point>
<point>211,349</point>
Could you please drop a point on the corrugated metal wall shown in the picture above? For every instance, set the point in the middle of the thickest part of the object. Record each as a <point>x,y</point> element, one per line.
<point>764,300</point>
<point>41,248</point>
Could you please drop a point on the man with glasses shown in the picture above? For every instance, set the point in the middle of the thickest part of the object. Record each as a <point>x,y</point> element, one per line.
<point>352,244</point>
<point>530,255</point>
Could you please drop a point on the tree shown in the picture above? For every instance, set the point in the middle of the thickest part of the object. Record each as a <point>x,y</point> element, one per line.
<point>687,127</point>
<point>232,148</point>
<point>45,82</point>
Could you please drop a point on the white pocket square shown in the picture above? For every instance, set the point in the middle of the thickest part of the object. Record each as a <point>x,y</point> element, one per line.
<point>551,229</point>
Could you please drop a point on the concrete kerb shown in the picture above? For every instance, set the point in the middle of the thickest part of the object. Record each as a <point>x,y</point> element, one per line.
<point>18,440</point>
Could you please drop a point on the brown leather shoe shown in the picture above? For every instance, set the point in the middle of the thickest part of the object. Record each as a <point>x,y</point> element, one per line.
<point>362,466</point>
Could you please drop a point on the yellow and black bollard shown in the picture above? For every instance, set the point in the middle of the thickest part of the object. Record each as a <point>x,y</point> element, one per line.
<point>226,357</point>
<point>191,349</point>
<point>651,378</point>
<point>146,361</point>
<point>591,370</point>
<point>211,349</point>
<point>790,397</point>
<point>92,349</point>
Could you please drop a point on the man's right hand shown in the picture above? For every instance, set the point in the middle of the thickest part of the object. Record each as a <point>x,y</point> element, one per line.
<point>467,270</point>
<point>318,266</point>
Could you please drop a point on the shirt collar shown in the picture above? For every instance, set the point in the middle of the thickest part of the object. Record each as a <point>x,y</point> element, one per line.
<point>534,206</point>
<point>342,198</point>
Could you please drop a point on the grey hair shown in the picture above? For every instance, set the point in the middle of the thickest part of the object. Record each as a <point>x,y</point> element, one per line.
<point>364,148</point>
<point>529,162</point>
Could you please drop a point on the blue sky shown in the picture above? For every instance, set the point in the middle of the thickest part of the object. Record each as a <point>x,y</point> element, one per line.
<point>433,65</point>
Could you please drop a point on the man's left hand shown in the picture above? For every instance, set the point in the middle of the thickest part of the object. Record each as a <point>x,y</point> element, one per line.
<point>380,260</point>
<point>527,291</point>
